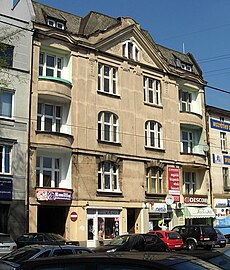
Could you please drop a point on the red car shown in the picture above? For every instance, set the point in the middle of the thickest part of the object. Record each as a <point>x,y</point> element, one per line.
<point>171,238</point>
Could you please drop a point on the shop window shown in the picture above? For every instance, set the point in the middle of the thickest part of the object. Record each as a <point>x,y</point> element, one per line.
<point>47,172</point>
<point>154,180</point>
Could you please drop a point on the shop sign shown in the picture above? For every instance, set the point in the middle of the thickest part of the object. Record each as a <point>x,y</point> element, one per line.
<point>6,187</point>
<point>174,183</point>
<point>196,200</point>
<point>108,212</point>
<point>158,208</point>
<point>220,202</point>
<point>220,125</point>
<point>52,194</point>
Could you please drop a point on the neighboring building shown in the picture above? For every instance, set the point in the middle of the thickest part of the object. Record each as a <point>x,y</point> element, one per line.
<point>15,52</point>
<point>219,138</point>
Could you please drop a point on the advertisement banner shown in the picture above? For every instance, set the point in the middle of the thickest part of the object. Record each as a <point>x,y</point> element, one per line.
<point>174,183</point>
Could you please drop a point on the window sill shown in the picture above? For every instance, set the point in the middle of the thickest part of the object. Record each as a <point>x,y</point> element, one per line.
<point>53,133</point>
<point>7,121</point>
<point>194,113</point>
<point>160,106</point>
<point>193,154</point>
<point>107,142</point>
<point>103,193</point>
<point>154,149</point>
<point>108,94</point>
<point>59,80</point>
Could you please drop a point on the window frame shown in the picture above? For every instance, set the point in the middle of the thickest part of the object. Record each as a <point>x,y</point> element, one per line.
<point>223,141</point>
<point>6,159</point>
<point>55,23</point>
<point>10,104</point>
<point>130,50</point>
<point>110,78</point>
<point>108,129</point>
<point>153,136</point>
<point>112,175</point>
<point>190,141</point>
<point>185,99</point>
<point>44,66</point>
<point>152,95</point>
<point>55,171</point>
<point>6,55</point>
<point>189,183</point>
<point>42,117</point>
<point>154,180</point>
<point>226,179</point>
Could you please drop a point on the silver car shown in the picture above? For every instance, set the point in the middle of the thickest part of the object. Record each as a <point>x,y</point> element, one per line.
<point>7,244</point>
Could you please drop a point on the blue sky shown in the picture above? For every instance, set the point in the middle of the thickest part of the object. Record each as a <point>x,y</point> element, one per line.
<point>201,27</point>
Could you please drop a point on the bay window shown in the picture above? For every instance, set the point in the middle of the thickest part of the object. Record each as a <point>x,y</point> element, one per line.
<point>50,65</point>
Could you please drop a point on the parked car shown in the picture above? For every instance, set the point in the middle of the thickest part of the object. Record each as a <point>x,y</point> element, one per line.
<point>119,261</point>
<point>197,236</point>
<point>7,244</point>
<point>16,257</point>
<point>221,240</point>
<point>41,239</point>
<point>139,242</point>
<point>225,231</point>
<point>173,239</point>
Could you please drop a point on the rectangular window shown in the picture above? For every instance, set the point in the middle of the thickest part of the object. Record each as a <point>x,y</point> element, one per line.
<point>49,117</point>
<point>6,55</point>
<point>223,141</point>
<point>6,101</point>
<point>50,65</point>
<point>5,157</point>
<point>226,179</point>
<point>189,183</point>
<point>152,93</point>
<point>47,172</point>
<point>154,180</point>
<point>107,79</point>
<point>108,176</point>
<point>187,142</point>
<point>185,101</point>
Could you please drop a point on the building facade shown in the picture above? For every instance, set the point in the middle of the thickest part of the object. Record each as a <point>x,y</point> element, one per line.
<point>219,136</point>
<point>15,51</point>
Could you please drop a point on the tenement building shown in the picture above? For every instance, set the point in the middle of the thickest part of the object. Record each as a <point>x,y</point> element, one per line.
<point>15,63</point>
<point>219,137</point>
<point>117,134</point>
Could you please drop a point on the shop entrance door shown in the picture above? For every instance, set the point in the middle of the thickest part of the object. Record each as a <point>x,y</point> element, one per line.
<point>91,231</point>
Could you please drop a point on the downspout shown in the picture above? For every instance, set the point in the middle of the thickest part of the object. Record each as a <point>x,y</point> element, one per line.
<point>28,140</point>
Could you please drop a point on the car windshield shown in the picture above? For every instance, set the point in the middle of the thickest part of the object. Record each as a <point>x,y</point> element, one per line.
<point>5,238</point>
<point>118,241</point>
<point>173,235</point>
<point>20,254</point>
<point>221,261</point>
<point>56,237</point>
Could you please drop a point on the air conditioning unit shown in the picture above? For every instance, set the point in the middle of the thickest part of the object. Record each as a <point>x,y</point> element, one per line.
<point>179,205</point>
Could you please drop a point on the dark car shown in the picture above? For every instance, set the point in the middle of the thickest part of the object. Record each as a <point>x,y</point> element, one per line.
<point>7,244</point>
<point>221,240</point>
<point>20,255</point>
<point>139,242</point>
<point>42,239</point>
<point>120,261</point>
<point>197,236</point>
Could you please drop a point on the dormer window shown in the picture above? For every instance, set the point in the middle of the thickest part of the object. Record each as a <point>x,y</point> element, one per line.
<point>56,24</point>
<point>186,66</point>
<point>130,50</point>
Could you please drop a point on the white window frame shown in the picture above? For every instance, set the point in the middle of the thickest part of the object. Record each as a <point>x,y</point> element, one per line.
<point>130,50</point>
<point>187,144</point>
<point>54,170</point>
<point>108,127</point>
<point>6,155</point>
<point>223,141</point>
<point>152,90</point>
<point>226,179</point>
<point>185,100</point>
<point>111,78</point>
<point>42,117</point>
<point>189,183</point>
<point>56,24</point>
<point>6,108</point>
<point>108,177</point>
<point>56,68</point>
<point>154,180</point>
<point>153,134</point>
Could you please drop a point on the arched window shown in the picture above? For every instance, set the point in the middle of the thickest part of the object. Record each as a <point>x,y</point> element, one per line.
<point>108,127</point>
<point>130,50</point>
<point>153,134</point>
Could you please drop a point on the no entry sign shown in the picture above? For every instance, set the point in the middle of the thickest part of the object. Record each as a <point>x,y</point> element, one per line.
<point>73,216</point>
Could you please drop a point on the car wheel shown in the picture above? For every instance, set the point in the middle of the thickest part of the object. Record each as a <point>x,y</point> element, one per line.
<point>191,245</point>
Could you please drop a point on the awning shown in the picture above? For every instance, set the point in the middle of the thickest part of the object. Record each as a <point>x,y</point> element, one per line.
<point>198,212</point>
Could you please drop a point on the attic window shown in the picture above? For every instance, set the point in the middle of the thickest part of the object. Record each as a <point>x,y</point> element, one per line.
<point>56,24</point>
<point>130,50</point>
<point>186,66</point>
